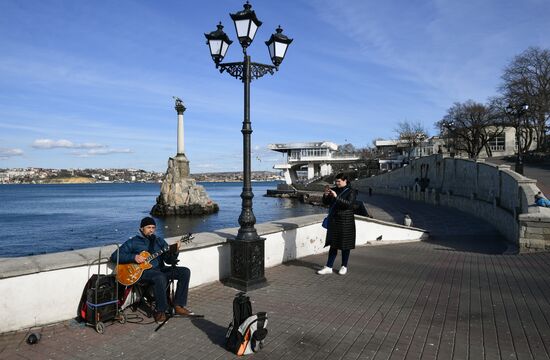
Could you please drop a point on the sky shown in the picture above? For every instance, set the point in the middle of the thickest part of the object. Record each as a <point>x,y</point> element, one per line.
<point>89,84</point>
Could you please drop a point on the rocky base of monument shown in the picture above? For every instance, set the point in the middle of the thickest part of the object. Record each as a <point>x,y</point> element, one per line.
<point>180,195</point>
<point>185,210</point>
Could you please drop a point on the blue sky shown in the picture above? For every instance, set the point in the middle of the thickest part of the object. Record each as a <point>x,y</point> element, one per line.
<point>89,84</point>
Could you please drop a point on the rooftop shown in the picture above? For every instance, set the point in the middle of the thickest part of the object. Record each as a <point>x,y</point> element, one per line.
<point>303,145</point>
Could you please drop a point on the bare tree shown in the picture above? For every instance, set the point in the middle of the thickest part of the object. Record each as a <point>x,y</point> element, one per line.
<point>469,127</point>
<point>346,149</point>
<point>527,80</point>
<point>411,135</point>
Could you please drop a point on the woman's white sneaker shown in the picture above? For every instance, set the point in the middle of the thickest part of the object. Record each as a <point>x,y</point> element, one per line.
<point>343,270</point>
<point>325,271</point>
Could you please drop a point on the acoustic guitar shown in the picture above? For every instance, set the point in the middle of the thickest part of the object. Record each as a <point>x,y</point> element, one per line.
<point>129,274</point>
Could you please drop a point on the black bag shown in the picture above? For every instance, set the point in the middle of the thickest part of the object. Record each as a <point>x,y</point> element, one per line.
<point>360,209</point>
<point>98,301</point>
<point>246,333</point>
<point>242,309</point>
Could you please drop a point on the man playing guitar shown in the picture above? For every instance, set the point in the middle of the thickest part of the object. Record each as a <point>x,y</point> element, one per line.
<point>159,274</point>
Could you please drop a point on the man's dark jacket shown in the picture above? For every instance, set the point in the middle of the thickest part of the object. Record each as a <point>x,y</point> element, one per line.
<point>139,243</point>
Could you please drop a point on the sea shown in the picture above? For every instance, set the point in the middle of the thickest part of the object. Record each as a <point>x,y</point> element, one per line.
<point>39,218</point>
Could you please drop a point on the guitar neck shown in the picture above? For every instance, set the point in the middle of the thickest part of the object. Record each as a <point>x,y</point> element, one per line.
<point>156,255</point>
<point>184,239</point>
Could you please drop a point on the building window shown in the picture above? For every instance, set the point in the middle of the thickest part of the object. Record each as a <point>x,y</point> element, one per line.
<point>313,152</point>
<point>497,144</point>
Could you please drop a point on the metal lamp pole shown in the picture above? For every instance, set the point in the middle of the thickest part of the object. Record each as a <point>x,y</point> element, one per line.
<point>519,159</point>
<point>518,112</point>
<point>247,249</point>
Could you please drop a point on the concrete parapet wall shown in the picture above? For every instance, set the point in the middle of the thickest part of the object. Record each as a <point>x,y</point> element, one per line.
<point>42,289</point>
<point>493,192</point>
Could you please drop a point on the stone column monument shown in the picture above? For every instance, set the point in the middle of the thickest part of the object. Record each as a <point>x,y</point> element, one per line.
<point>179,194</point>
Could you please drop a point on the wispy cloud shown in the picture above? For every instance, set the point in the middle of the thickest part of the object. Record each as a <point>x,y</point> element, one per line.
<point>106,151</point>
<point>347,74</point>
<point>6,153</point>
<point>62,143</point>
<point>449,49</point>
<point>93,149</point>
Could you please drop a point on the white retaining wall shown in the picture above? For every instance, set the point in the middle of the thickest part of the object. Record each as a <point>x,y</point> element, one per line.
<point>43,289</point>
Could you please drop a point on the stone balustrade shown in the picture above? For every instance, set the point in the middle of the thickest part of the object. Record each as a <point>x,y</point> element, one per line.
<point>493,192</point>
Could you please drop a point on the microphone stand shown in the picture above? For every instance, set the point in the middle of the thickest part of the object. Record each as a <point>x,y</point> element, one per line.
<point>171,308</point>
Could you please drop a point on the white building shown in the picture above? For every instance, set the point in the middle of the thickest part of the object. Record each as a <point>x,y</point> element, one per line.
<point>318,157</point>
<point>393,153</point>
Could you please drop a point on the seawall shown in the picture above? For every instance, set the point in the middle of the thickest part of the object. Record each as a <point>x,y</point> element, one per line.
<point>42,289</point>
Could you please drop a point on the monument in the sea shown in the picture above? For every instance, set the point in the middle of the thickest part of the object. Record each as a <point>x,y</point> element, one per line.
<point>180,194</point>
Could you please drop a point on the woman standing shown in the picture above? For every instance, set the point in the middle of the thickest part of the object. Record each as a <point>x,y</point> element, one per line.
<point>341,223</point>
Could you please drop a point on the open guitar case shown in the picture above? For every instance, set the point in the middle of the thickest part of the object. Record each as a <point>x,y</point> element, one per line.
<point>100,303</point>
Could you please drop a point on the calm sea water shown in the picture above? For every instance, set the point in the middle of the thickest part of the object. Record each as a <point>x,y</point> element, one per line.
<point>38,219</point>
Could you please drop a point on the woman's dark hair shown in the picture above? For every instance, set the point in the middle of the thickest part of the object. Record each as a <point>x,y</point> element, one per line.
<point>342,176</point>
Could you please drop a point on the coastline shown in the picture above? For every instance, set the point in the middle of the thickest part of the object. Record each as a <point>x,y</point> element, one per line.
<point>94,181</point>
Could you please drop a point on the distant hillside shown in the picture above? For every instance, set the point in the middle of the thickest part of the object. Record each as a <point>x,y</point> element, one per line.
<point>70,180</point>
<point>235,176</point>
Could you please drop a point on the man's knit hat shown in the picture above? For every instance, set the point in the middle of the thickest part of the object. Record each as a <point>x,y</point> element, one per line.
<point>147,221</point>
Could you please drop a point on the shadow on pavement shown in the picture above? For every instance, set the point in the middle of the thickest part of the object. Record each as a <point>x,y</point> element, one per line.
<point>215,332</point>
<point>305,264</point>
<point>481,245</point>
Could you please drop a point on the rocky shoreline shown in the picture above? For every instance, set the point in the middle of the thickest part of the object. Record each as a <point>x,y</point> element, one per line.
<point>314,198</point>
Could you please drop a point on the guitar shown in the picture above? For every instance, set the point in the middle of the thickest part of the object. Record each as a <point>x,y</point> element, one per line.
<point>129,274</point>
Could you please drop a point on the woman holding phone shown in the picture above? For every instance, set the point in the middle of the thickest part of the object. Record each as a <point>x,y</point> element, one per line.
<point>341,223</point>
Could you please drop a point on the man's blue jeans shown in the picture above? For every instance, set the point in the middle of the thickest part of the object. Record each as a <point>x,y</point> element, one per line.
<point>159,279</point>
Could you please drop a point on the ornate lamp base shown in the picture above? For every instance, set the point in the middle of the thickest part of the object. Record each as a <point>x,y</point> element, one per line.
<point>247,264</point>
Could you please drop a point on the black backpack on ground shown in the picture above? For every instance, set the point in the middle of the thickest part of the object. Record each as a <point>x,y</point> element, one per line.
<point>246,333</point>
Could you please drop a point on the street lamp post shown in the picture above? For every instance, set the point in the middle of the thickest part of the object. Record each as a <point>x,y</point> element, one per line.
<point>449,140</point>
<point>517,111</point>
<point>247,249</point>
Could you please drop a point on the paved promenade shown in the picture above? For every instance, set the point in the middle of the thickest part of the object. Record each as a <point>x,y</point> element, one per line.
<point>456,296</point>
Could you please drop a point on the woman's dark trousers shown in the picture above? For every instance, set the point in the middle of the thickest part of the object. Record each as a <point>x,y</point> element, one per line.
<point>332,256</point>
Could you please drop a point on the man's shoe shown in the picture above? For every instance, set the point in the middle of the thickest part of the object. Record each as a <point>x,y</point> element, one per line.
<point>325,271</point>
<point>180,310</point>
<point>160,317</point>
<point>343,270</point>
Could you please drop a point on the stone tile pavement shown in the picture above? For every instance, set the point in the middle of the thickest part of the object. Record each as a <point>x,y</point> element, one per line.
<point>453,297</point>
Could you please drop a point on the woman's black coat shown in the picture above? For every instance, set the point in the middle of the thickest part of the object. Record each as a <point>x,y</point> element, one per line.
<point>341,223</point>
